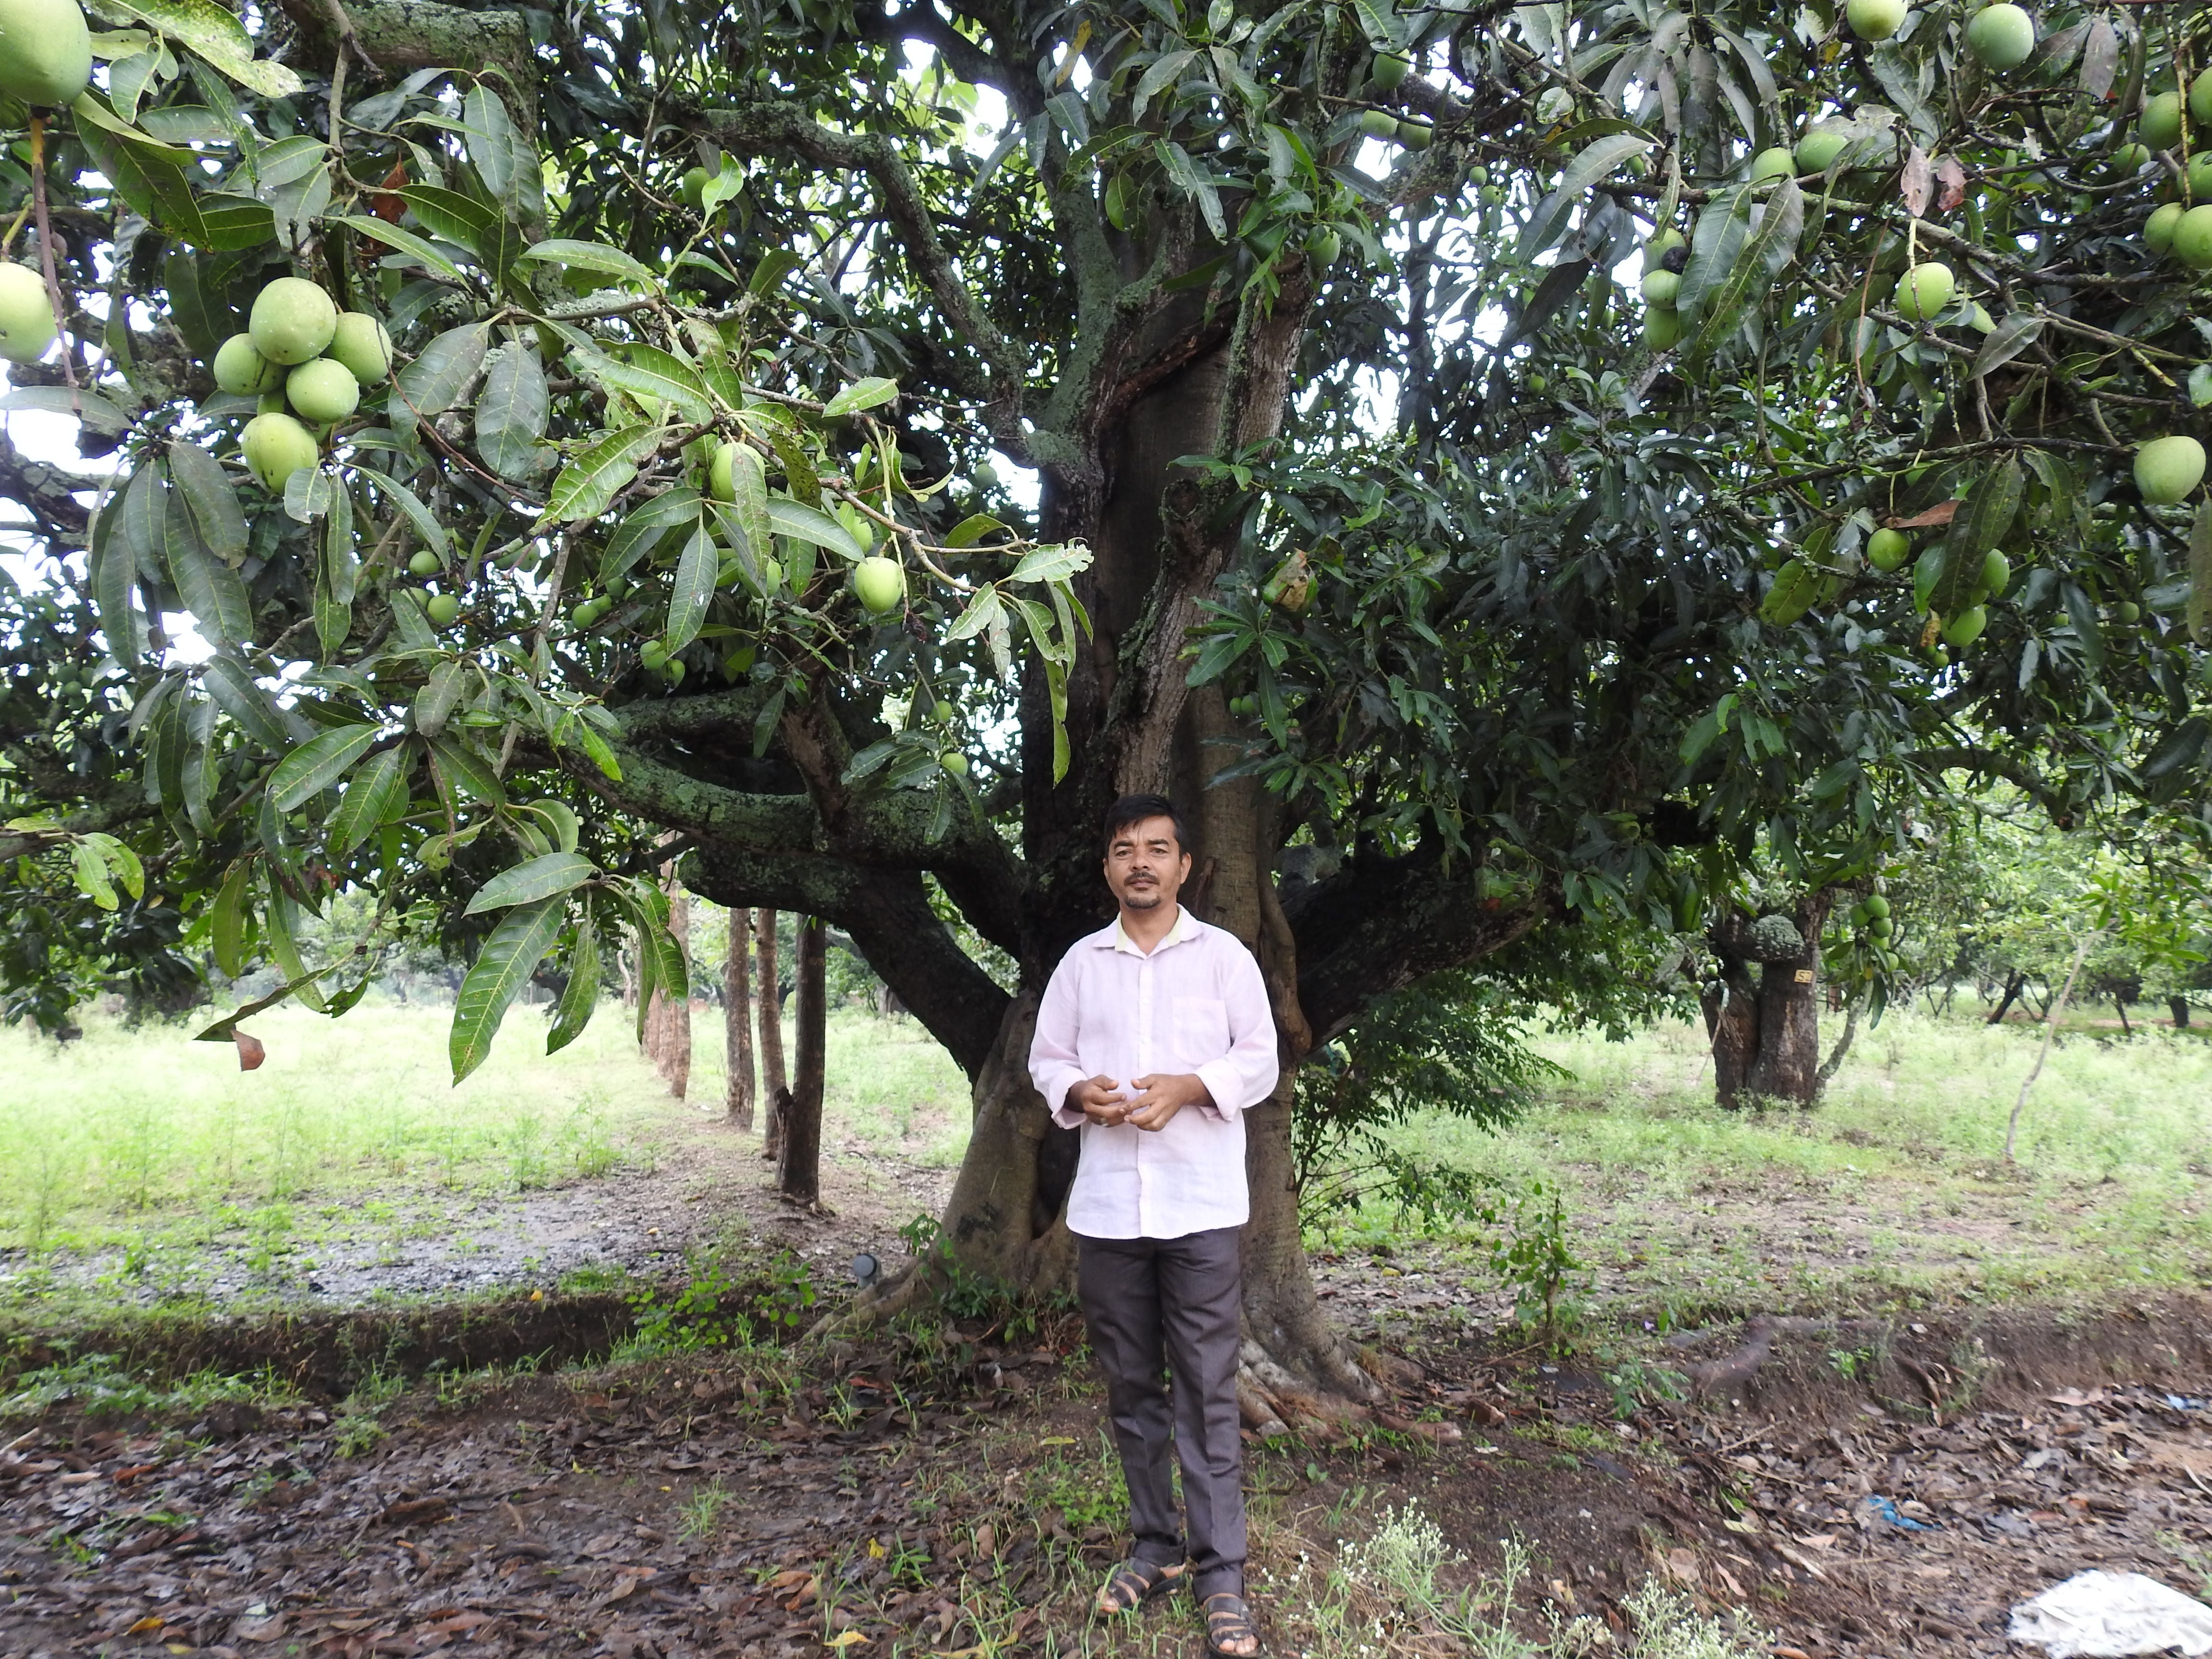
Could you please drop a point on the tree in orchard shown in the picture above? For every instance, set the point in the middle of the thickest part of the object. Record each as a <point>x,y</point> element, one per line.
<point>1473,590</point>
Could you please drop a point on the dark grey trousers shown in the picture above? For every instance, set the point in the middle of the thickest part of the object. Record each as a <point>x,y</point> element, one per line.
<point>1156,1306</point>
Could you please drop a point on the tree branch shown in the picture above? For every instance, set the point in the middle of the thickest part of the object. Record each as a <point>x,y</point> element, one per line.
<point>46,493</point>
<point>2017,773</point>
<point>782,127</point>
<point>1381,923</point>
<point>888,915</point>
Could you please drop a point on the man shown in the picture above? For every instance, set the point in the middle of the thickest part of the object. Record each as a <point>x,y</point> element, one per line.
<point>1154,1036</point>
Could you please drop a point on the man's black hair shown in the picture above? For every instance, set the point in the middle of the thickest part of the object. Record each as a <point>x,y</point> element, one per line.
<point>1135,809</point>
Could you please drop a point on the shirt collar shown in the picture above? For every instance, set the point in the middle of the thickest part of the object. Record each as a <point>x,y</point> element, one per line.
<point>1176,934</point>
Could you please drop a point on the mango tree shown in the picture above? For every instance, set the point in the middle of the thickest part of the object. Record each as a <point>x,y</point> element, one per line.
<point>1512,471</point>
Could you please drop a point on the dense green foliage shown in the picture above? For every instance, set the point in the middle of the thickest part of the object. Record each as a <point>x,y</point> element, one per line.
<point>1541,587</point>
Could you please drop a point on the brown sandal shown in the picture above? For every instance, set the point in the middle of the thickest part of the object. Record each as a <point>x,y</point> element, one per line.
<point>1132,1583</point>
<point>1229,1620</point>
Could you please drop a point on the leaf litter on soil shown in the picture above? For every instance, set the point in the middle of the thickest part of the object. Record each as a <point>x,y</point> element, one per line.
<point>729,1505</point>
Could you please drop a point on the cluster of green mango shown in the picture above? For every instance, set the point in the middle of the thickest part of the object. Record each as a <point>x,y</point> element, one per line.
<point>1870,921</point>
<point>2182,227</point>
<point>306,361</point>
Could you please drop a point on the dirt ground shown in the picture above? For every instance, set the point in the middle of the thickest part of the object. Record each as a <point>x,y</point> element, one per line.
<point>957,1501</point>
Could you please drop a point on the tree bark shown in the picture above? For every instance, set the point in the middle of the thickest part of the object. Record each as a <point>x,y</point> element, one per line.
<point>668,1021</point>
<point>737,1022</point>
<point>2120,1007</point>
<point>1789,1063</point>
<point>776,1087</point>
<point>1731,1010</point>
<point>1765,1031</point>
<point>799,1169</point>
<point>1834,1063</point>
<point>2179,1007</point>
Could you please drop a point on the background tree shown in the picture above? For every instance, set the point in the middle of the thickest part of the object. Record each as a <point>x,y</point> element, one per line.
<point>1465,591</point>
<point>737,1022</point>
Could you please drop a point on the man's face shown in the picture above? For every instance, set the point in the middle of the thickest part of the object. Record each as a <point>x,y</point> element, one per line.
<point>1145,866</point>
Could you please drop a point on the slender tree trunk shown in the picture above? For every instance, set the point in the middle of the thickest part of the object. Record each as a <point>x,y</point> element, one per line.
<point>2081,949</point>
<point>2179,1007</point>
<point>668,1025</point>
<point>799,1170</point>
<point>775,1086</point>
<point>2120,1003</point>
<point>737,1022</point>
<point>1834,1062</point>
<point>1731,1010</point>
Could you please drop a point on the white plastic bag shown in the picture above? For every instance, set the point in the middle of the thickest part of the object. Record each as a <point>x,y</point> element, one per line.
<point>2105,1615</point>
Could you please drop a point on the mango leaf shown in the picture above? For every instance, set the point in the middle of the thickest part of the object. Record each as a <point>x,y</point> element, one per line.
<point>696,573</point>
<point>92,875</point>
<point>541,877</point>
<point>211,590</point>
<point>2200,576</point>
<point>1598,161</point>
<point>982,610</point>
<point>371,795</point>
<point>653,374</point>
<point>1714,244</point>
<point>513,952</point>
<point>199,478</point>
<point>1990,509</point>
<point>425,522</point>
<point>235,693</point>
<point>804,523</point>
<point>113,570</point>
<point>435,702</point>
<point>582,993</point>
<point>1051,563</point>
<point>461,769</point>
<point>2007,341</point>
<point>1762,258</point>
<point>317,764</point>
<point>748,493</point>
<point>94,410</point>
<point>861,394</point>
<point>404,241</point>
<point>511,413</point>
<point>637,535</point>
<point>228,930</point>
<point>430,384</point>
<point>211,32</point>
<point>596,472</point>
<point>592,256</point>
<point>505,159</point>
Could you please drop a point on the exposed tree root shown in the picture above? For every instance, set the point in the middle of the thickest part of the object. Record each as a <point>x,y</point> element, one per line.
<point>1735,1369</point>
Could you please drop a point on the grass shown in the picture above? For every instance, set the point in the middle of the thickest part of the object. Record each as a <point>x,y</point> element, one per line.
<point>1892,1192</point>
<point>147,1147</point>
<point>889,1089</point>
<point>124,1134</point>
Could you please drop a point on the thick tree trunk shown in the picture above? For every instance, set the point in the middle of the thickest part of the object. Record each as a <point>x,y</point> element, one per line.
<point>1789,1063</point>
<point>776,1087</point>
<point>737,1022</point>
<point>798,1169</point>
<point>1765,1032</point>
<point>2179,1007</point>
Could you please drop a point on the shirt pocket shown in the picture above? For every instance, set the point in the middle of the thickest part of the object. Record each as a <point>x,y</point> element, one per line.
<point>1201,1031</point>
